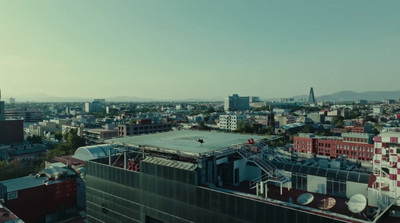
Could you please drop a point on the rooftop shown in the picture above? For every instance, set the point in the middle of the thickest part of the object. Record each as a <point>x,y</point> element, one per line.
<point>185,140</point>
<point>23,183</point>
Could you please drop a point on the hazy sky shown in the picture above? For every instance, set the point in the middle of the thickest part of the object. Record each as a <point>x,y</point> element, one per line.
<point>182,49</point>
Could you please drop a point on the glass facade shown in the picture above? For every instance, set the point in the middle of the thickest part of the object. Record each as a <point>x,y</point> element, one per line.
<point>158,194</point>
<point>336,187</point>
<point>299,181</point>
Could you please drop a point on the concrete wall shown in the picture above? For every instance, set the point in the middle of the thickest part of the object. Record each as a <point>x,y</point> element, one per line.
<point>353,188</point>
<point>241,164</point>
<point>252,172</point>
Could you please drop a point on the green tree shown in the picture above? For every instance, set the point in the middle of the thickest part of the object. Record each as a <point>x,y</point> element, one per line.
<point>58,135</point>
<point>338,121</point>
<point>375,131</point>
<point>308,129</point>
<point>72,142</point>
<point>202,126</point>
<point>370,119</point>
<point>34,139</point>
<point>3,170</point>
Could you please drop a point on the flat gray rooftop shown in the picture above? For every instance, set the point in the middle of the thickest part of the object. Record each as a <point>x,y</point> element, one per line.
<point>23,183</point>
<point>185,140</point>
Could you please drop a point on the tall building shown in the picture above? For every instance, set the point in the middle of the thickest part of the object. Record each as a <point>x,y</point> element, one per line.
<point>311,97</point>
<point>198,176</point>
<point>97,105</point>
<point>11,131</point>
<point>236,103</point>
<point>2,113</point>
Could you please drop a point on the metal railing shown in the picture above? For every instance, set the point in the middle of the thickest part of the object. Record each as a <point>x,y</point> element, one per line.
<point>256,153</point>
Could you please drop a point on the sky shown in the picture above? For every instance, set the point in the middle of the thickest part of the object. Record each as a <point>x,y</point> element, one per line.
<point>180,49</point>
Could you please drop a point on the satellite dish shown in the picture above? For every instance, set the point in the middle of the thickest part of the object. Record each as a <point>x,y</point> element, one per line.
<point>327,203</point>
<point>305,198</point>
<point>357,203</point>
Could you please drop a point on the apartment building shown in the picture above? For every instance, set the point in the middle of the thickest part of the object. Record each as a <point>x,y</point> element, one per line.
<point>142,126</point>
<point>230,122</point>
<point>357,146</point>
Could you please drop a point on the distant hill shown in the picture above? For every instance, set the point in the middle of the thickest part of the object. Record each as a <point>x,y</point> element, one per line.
<point>40,97</point>
<point>354,96</point>
<point>338,96</point>
<point>129,99</point>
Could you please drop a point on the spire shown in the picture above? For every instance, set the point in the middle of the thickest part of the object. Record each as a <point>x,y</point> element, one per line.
<point>311,97</point>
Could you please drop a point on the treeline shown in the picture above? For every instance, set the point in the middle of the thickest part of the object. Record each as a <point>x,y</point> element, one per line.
<point>16,168</point>
<point>67,145</point>
<point>253,128</point>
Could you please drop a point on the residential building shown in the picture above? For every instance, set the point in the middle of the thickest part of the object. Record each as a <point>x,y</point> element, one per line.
<point>66,128</point>
<point>142,126</point>
<point>99,134</point>
<point>377,110</point>
<point>317,118</point>
<point>230,122</point>
<point>236,103</point>
<point>389,101</point>
<point>27,114</point>
<point>357,146</point>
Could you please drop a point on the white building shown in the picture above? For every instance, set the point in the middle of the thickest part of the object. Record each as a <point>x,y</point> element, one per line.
<point>385,187</point>
<point>378,110</point>
<point>229,122</point>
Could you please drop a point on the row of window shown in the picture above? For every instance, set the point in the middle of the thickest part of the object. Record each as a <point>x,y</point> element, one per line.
<point>333,186</point>
<point>355,139</point>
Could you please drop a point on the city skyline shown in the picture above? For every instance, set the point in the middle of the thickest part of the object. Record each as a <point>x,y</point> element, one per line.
<point>180,50</point>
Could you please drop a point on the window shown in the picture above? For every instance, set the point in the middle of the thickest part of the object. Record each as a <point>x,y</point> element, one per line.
<point>299,181</point>
<point>237,175</point>
<point>336,187</point>
<point>104,208</point>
